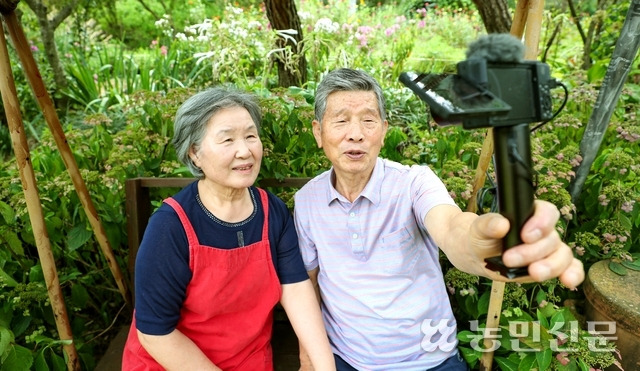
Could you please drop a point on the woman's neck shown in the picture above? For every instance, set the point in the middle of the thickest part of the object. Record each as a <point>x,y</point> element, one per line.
<point>231,205</point>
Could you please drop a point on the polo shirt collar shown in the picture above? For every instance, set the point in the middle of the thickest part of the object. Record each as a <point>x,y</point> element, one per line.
<point>371,191</point>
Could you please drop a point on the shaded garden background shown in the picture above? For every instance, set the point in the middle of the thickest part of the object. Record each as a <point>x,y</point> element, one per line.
<point>123,67</point>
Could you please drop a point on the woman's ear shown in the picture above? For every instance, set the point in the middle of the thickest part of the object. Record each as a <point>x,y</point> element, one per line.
<point>193,155</point>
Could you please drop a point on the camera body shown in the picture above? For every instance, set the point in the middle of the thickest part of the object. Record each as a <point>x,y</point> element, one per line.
<point>525,86</point>
<point>506,96</point>
<point>486,94</point>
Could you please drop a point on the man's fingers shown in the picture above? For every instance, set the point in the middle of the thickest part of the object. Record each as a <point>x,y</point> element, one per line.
<point>542,222</point>
<point>574,275</point>
<point>553,265</point>
<point>522,255</point>
<point>490,226</point>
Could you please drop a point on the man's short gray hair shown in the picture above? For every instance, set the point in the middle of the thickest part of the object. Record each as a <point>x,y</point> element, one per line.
<point>347,79</point>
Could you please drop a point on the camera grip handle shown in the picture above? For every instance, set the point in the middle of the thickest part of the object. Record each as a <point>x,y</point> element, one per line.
<point>514,176</point>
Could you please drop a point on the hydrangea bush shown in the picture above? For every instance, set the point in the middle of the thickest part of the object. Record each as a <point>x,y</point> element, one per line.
<point>121,125</point>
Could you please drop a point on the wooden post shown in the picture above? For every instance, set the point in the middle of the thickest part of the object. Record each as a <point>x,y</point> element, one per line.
<point>46,104</point>
<point>528,13</point>
<point>36,216</point>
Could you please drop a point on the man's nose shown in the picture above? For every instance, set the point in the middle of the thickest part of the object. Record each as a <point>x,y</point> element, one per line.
<point>355,133</point>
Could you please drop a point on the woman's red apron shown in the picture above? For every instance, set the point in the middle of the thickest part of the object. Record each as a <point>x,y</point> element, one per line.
<point>229,303</point>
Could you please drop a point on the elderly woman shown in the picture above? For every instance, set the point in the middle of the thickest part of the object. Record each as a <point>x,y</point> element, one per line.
<point>220,254</point>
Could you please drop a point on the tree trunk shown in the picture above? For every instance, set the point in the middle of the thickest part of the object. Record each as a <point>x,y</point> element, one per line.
<point>623,55</point>
<point>495,15</point>
<point>47,33</point>
<point>292,67</point>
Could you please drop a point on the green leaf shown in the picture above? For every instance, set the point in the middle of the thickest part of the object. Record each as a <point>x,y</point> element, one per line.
<point>58,362</point>
<point>471,356</point>
<point>634,265</point>
<point>40,363</point>
<point>540,296</point>
<point>18,359</point>
<point>78,236</point>
<point>541,317</point>
<point>483,303</point>
<point>583,365</point>
<point>527,362</point>
<point>465,336</point>
<point>544,359</point>
<point>7,213</point>
<point>79,295</point>
<point>505,364</point>
<point>11,238</point>
<point>558,317</point>
<point>6,279</point>
<point>625,221</point>
<point>617,268</point>
<point>5,339</point>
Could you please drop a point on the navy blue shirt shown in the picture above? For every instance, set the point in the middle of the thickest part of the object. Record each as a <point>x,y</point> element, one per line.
<point>162,264</point>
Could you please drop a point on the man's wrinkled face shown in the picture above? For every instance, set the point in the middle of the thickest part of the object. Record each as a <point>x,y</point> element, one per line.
<point>352,132</point>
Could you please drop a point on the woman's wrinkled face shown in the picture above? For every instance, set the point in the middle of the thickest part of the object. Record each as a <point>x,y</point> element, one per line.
<point>231,151</point>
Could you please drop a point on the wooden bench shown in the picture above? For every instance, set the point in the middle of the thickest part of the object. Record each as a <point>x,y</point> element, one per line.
<point>138,205</point>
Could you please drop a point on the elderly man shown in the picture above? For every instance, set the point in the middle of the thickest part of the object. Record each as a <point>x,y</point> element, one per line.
<point>370,229</point>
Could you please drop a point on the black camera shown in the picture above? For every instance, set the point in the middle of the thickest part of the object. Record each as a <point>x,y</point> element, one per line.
<point>506,96</point>
<point>486,94</point>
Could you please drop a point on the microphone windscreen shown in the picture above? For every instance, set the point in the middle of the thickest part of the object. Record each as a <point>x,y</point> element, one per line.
<point>497,47</point>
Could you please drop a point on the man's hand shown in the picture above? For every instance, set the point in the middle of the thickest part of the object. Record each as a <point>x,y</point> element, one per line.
<point>542,250</point>
<point>468,239</point>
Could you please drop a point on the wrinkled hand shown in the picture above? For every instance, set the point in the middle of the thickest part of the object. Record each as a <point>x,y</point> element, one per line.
<point>542,250</point>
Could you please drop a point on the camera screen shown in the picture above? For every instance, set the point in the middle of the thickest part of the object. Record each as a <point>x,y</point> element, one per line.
<point>453,98</point>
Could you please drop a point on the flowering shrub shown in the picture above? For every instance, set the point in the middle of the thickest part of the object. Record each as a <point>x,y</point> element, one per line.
<point>122,130</point>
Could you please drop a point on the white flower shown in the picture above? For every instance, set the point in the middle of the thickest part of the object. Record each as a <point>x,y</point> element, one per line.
<point>233,9</point>
<point>326,25</point>
<point>304,15</point>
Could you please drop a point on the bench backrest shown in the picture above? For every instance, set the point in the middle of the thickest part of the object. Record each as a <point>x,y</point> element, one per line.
<point>138,205</point>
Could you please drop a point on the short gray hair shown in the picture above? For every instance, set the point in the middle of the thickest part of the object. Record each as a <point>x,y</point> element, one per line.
<point>192,118</point>
<point>347,79</point>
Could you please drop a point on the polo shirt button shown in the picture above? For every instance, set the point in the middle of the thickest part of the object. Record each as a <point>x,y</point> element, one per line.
<point>352,215</point>
<point>355,235</point>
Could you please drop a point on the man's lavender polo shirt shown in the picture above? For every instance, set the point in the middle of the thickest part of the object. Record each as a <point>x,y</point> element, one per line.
<point>379,277</point>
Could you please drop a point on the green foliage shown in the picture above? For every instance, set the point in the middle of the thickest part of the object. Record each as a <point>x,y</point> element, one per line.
<point>120,122</point>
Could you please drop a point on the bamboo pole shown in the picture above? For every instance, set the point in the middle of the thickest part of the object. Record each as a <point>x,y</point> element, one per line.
<point>46,105</point>
<point>527,13</point>
<point>36,216</point>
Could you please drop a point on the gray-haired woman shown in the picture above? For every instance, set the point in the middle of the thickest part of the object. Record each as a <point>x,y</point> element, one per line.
<point>217,256</point>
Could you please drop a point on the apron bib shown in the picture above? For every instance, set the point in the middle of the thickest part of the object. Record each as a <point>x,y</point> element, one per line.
<point>228,309</point>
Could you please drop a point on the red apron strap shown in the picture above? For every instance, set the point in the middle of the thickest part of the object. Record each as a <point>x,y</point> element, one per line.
<point>186,224</point>
<point>265,206</point>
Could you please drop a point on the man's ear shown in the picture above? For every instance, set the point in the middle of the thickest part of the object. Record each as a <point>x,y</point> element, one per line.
<point>317,132</point>
<point>385,127</point>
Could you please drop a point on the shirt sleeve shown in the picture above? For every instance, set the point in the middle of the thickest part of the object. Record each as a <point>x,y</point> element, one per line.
<point>289,266</point>
<point>162,273</point>
<point>427,191</point>
<point>307,247</point>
